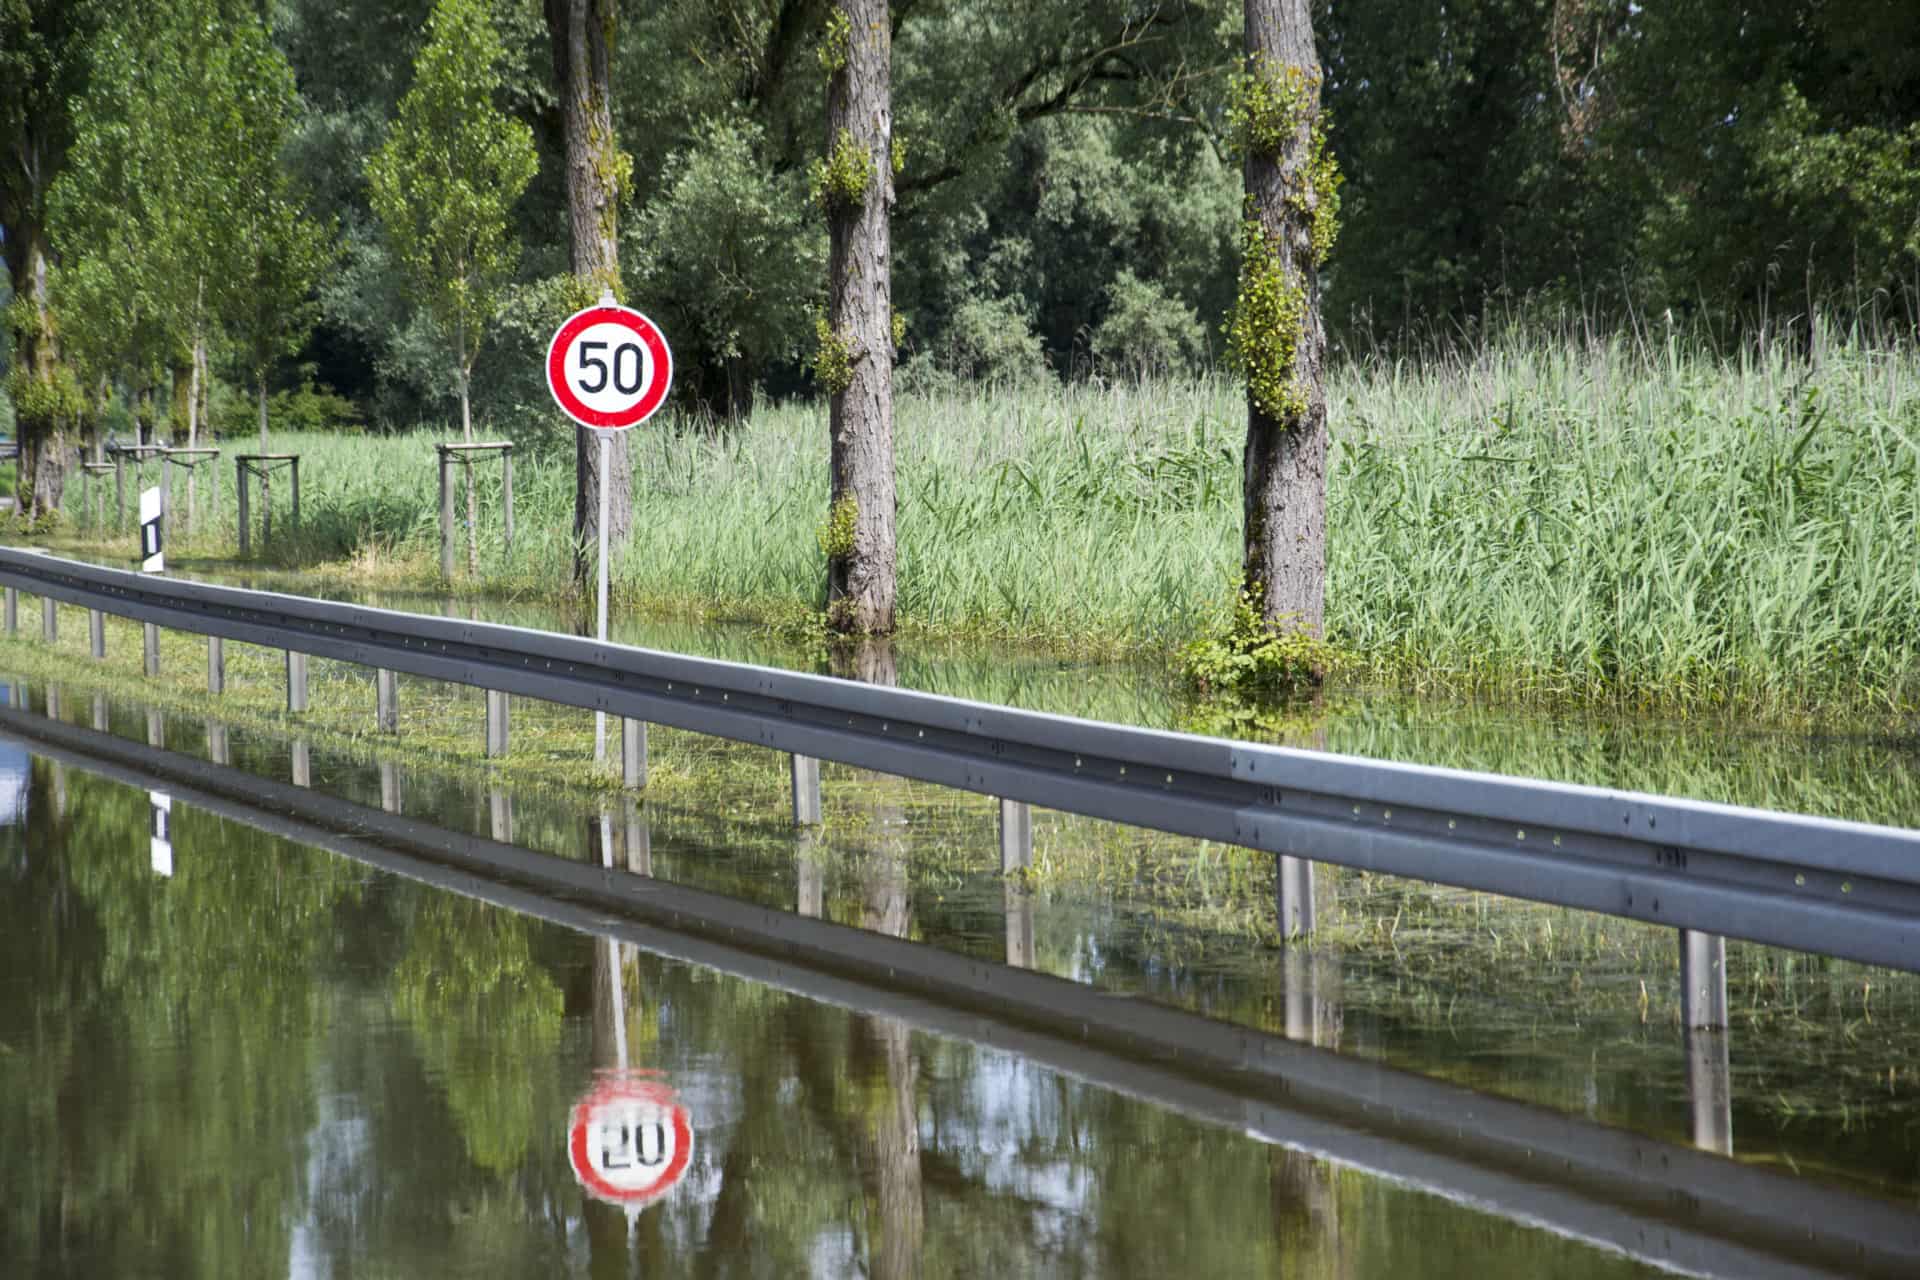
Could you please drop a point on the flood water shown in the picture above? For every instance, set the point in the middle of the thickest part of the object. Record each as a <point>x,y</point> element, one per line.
<point>257,1057</point>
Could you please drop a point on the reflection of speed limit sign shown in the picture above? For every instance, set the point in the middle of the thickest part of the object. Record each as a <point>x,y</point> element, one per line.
<point>629,1141</point>
<point>609,367</point>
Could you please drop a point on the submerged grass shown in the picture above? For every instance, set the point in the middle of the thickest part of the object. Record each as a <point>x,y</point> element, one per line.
<point>1567,518</point>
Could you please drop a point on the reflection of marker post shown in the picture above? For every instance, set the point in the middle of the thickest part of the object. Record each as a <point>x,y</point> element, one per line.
<point>160,843</point>
<point>152,560</point>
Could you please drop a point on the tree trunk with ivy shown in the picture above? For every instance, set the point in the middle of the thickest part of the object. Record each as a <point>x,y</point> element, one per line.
<point>1276,336</point>
<point>47,403</point>
<point>854,183</point>
<point>582,32</point>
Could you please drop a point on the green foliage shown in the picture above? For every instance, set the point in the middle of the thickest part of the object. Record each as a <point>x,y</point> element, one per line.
<point>840,180</point>
<point>307,408</point>
<point>835,534</point>
<point>1147,333</point>
<point>985,340</point>
<point>1240,652</point>
<point>726,243</point>
<point>833,357</point>
<point>1264,330</point>
<point>44,404</point>
<point>1268,104</point>
<point>449,175</point>
<point>835,39</point>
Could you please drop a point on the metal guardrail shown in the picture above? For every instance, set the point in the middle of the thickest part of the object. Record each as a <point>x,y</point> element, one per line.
<point>1838,888</point>
<point>1675,1207</point>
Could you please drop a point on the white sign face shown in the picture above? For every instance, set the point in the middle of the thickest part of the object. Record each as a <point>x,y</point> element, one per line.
<point>160,843</point>
<point>609,367</point>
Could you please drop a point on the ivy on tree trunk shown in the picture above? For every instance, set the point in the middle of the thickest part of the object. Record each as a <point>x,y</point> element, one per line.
<point>855,185</point>
<point>1278,339</point>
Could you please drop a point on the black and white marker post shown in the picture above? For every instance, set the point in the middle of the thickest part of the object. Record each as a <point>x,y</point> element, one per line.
<point>153,513</point>
<point>609,369</point>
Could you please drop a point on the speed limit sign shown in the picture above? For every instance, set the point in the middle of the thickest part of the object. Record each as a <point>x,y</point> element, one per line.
<point>609,367</point>
<point>629,1140</point>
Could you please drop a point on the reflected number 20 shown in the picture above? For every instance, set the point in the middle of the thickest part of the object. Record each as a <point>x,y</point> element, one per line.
<point>590,361</point>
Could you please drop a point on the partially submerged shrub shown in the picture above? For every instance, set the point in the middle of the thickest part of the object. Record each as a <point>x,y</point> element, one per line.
<point>1242,653</point>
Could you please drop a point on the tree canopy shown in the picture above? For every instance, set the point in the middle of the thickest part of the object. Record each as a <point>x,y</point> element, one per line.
<point>1066,199</point>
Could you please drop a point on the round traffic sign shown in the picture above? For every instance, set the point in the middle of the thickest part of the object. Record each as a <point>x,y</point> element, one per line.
<point>609,367</point>
<point>629,1141</point>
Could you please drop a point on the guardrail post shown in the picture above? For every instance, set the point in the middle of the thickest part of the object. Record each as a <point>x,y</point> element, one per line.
<point>101,723</point>
<point>1295,893</point>
<point>633,752</point>
<point>150,648</point>
<point>219,750</point>
<point>216,665</point>
<point>806,791</point>
<point>1703,979</point>
<point>1019,925</point>
<point>296,682</point>
<point>500,814</point>
<point>49,620</point>
<point>97,633</point>
<point>639,837</point>
<point>496,723</point>
<point>389,786</point>
<point>446,515</point>
<point>13,611</point>
<point>1709,1090</point>
<point>810,894</point>
<point>156,727</point>
<point>1016,835</point>
<point>240,492</point>
<point>386,701</point>
<point>302,763</point>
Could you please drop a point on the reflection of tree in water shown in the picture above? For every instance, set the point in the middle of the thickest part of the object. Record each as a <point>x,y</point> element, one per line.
<point>171,1031</point>
<point>486,1017</point>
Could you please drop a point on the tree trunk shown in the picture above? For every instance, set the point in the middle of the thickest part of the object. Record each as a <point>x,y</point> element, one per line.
<point>582,32</point>
<point>861,568</point>
<point>182,392</point>
<point>261,383</point>
<point>473,500</point>
<point>40,428</point>
<point>195,417</point>
<point>1286,455</point>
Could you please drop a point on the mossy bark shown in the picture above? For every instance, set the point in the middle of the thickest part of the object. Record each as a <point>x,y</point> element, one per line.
<point>44,422</point>
<point>583,33</point>
<point>1286,454</point>
<point>861,580</point>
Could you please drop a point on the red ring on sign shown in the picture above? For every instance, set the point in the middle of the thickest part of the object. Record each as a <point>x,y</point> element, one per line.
<point>650,400</point>
<point>583,1166</point>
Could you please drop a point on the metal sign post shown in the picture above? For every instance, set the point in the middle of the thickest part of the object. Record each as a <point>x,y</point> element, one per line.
<point>600,631</point>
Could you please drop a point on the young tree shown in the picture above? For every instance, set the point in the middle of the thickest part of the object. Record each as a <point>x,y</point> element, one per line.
<point>279,251</point>
<point>854,184</point>
<point>444,183</point>
<point>1275,336</point>
<point>582,32</point>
